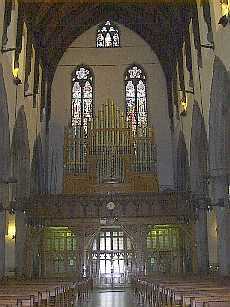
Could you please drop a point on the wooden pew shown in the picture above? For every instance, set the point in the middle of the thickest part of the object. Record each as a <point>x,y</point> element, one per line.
<point>44,293</point>
<point>193,292</point>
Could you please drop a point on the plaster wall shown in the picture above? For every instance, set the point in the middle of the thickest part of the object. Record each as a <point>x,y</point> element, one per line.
<point>15,100</point>
<point>203,77</point>
<point>109,65</point>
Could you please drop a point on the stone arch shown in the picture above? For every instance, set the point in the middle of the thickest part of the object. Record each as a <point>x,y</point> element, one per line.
<point>21,155</point>
<point>198,152</point>
<point>182,165</point>
<point>199,183</point>
<point>4,165</point>
<point>4,131</point>
<point>37,168</point>
<point>219,118</point>
<point>219,131</point>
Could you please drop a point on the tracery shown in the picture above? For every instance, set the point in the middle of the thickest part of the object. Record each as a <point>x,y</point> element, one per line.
<point>135,96</point>
<point>82,97</point>
<point>108,35</point>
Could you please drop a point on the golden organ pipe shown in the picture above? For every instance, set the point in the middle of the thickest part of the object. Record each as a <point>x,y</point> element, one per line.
<point>111,139</point>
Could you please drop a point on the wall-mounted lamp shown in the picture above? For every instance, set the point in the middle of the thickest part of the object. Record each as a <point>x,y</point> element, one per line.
<point>11,231</point>
<point>183,105</point>
<point>225,10</point>
<point>16,79</point>
<point>225,6</point>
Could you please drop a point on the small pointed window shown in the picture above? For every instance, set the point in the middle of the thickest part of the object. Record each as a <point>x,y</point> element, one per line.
<point>108,35</point>
<point>135,96</point>
<point>82,96</point>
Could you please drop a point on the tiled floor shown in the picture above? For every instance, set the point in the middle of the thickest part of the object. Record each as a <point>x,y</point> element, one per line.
<point>111,298</point>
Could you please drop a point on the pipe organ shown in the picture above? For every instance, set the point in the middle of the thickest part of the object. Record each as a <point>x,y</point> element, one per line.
<point>110,156</point>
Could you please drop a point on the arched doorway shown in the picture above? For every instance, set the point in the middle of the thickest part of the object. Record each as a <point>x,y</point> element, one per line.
<point>111,257</point>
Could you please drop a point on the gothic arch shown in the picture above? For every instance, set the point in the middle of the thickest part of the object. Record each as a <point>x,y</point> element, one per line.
<point>199,152</point>
<point>219,131</point>
<point>37,168</point>
<point>4,131</point>
<point>21,155</point>
<point>199,177</point>
<point>182,165</point>
<point>4,163</point>
<point>219,118</point>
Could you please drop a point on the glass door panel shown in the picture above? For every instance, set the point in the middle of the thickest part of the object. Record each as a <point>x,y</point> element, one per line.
<point>113,253</point>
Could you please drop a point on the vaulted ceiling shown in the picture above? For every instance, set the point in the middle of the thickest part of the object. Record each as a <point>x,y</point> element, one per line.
<point>56,25</point>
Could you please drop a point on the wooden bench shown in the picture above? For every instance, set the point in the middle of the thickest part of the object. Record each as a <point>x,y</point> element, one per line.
<point>39,294</point>
<point>172,292</point>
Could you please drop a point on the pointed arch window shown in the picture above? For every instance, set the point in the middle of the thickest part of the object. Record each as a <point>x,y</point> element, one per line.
<point>108,35</point>
<point>136,97</point>
<point>82,96</point>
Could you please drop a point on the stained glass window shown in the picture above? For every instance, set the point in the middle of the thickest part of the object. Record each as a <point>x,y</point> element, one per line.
<point>108,35</point>
<point>82,96</point>
<point>136,98</point>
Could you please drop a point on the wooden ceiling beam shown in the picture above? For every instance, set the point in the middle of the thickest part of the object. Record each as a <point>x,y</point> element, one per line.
<point>57,25</point>
<point>58,21</point>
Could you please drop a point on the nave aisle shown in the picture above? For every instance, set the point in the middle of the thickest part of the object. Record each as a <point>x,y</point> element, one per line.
<point>111,298</point>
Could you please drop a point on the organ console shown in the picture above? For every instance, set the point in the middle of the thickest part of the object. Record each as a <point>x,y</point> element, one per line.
<point>109,155</point>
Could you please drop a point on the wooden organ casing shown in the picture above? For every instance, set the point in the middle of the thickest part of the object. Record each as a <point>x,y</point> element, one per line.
<point>109,156</point>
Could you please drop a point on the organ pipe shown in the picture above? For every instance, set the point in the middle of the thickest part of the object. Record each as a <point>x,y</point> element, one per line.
<point>109,142</point>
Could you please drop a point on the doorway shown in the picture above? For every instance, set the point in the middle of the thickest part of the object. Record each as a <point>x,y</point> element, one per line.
<point>112,258</point>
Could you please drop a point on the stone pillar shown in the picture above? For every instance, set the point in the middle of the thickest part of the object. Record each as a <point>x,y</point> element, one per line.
<point>2,243</point>
<point>202,239</point>
<point>30,249</point>
<point>89,235</point>
<point>140,238</point>
<point>223,227</point>
<point>20,243</point>
<point>212,241</point>
<point>79,233</point>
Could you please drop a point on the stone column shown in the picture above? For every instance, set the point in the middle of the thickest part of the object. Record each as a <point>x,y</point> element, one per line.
<point>20,242</point>
<point>79,233</point>
<point>2,243</point>
<point>223,221</point>
<point>202,238</point>
<point>89,235</point>
<point>139,234</point>
<point>31,242</point>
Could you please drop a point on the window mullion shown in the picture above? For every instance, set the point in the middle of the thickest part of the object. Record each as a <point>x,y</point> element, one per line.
<point>82,103</point>
<point>136,106</point>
